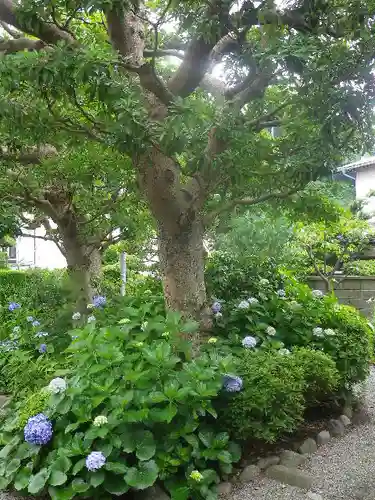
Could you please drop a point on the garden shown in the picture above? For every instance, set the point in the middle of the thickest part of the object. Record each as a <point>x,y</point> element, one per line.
<point>201,139</point>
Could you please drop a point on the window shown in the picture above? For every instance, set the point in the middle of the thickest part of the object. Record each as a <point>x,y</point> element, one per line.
<point>12,254</point>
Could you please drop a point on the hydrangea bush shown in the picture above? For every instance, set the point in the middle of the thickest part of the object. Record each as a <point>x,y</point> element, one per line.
<point>134,409</point>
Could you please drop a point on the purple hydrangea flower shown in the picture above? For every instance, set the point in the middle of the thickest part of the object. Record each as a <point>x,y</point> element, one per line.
<point>216,307</point>
<point>95,460</point>
<point>249,342</point>
<point>43,348</point>
<point>38,430</point>
<point>35,323</point>
<point>99,301</point>
<point>13,305</point>
<point>232,383</point>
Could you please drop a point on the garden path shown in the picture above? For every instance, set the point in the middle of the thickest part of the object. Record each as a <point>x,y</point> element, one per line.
<point>343,469</point>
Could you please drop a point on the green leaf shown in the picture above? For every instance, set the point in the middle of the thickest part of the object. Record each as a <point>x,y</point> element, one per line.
<point>128,441</point>
<point>145,445</point>
<point>97,478</point>
<point>57,478</point>
<point>235,450</point>
<point>6,450</point>
<point>38,482</point>
<point>25,450</point>
<point>143,476</point>
<point>79,466</point>
<point>22,479</point>
<point>80,486</point>
<point>4,482</point>
<point>61,493</point>
<point>62,464</point>
<point>206,437</point>
<point>224,456</point>
<point>116,467</point>
<point>65,406</point>
<point>13,466</point>
<point>116,486</point>
<point>163,414</point>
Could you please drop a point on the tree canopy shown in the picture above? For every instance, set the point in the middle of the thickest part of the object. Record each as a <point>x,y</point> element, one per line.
<point>197,132</point>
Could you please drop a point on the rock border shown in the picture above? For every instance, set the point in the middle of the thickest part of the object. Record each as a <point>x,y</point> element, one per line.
<point>284,467</point>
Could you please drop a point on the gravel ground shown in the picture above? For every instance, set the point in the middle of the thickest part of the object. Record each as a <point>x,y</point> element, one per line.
<point>344,469</point>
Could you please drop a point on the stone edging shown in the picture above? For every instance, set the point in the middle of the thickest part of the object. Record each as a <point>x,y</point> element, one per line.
<point>284,467</point>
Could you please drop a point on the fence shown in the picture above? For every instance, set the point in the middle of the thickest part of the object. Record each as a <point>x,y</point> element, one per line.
<point>357,291</point>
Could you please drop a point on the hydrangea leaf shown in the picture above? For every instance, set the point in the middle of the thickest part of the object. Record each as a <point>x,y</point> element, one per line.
<point>143,476</point>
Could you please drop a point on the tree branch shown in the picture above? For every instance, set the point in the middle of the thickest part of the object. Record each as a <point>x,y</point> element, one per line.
<point>31,156</point>
<point>250,201</point>
<point>48,33</point>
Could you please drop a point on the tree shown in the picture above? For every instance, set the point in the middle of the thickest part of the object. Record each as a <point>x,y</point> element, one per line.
<point>200,145</point>
<point>80,198</point>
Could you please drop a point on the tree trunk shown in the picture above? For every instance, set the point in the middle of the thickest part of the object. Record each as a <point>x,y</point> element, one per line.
<point>84,269</point>
<point>182,264</point>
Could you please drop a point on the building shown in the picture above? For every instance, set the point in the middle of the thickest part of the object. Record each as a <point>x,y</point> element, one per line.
<point>362,174</point>
<point>32,251</point>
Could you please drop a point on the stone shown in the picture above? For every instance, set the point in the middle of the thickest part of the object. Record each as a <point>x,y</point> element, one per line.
<point>152,493</point>
<point>348,411</point>
<point>314,496</point>
<point>308,447</point>
<point>3,400</point>
<point>361,416</point>
<point>290,458</point>
<point>323,437</point>
<point>224,489</point>
<point>336,427</point>
<point>249,473</point>
<point>266,462</point>
<point>290,475</point>
<point>345,420</point>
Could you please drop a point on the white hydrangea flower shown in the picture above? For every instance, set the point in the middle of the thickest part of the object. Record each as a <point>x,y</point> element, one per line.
<point>270,330</point>
<point>91,319</point>
<point>16,329</point>
<point>317,294</point>
<point>284,352</point>
<point>281,293</point>
<point>264,282</point>
<point>100,420</point>
<point>144,326</point>
<point>57,385</point>
<point>253,301</point>
<point>244,304</point>
<point>329,332</point>
<point>90,306</point>
<point>218,315</point>
<point>318,332</point>
<point>76,316</point>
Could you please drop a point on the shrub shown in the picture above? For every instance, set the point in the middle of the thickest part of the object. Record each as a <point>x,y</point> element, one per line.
<point>295,316</point>
<point>320,374</point>
<point>135,410</point>
<point>271,402</point>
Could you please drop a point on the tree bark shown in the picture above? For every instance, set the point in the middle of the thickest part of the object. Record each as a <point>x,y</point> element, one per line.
<point>84,270</point>
<point>182,264</point>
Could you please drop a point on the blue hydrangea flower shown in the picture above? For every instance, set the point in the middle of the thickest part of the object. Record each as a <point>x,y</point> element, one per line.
<point>249,342</point>
<point>29,319</point>
<point>8,345</point>
<point>281,293</point>
<point>99,301</point>
<point>35,323</point>
<point>232,383</point>
<point>95,460</point>
<point>216,307</point>
<point>13,305</point>
<point>43,348</point>
<point>38,430</point>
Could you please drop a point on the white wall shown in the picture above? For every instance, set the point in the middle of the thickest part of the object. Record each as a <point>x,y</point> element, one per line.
<point>365,183</point>
<point>34,252</point>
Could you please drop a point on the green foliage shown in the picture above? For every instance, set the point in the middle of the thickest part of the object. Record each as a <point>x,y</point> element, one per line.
<point>36,403</point>
<point>360,268</point>
<point>320,374</point>
<point>271,401</point>
<point>158,407</point>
